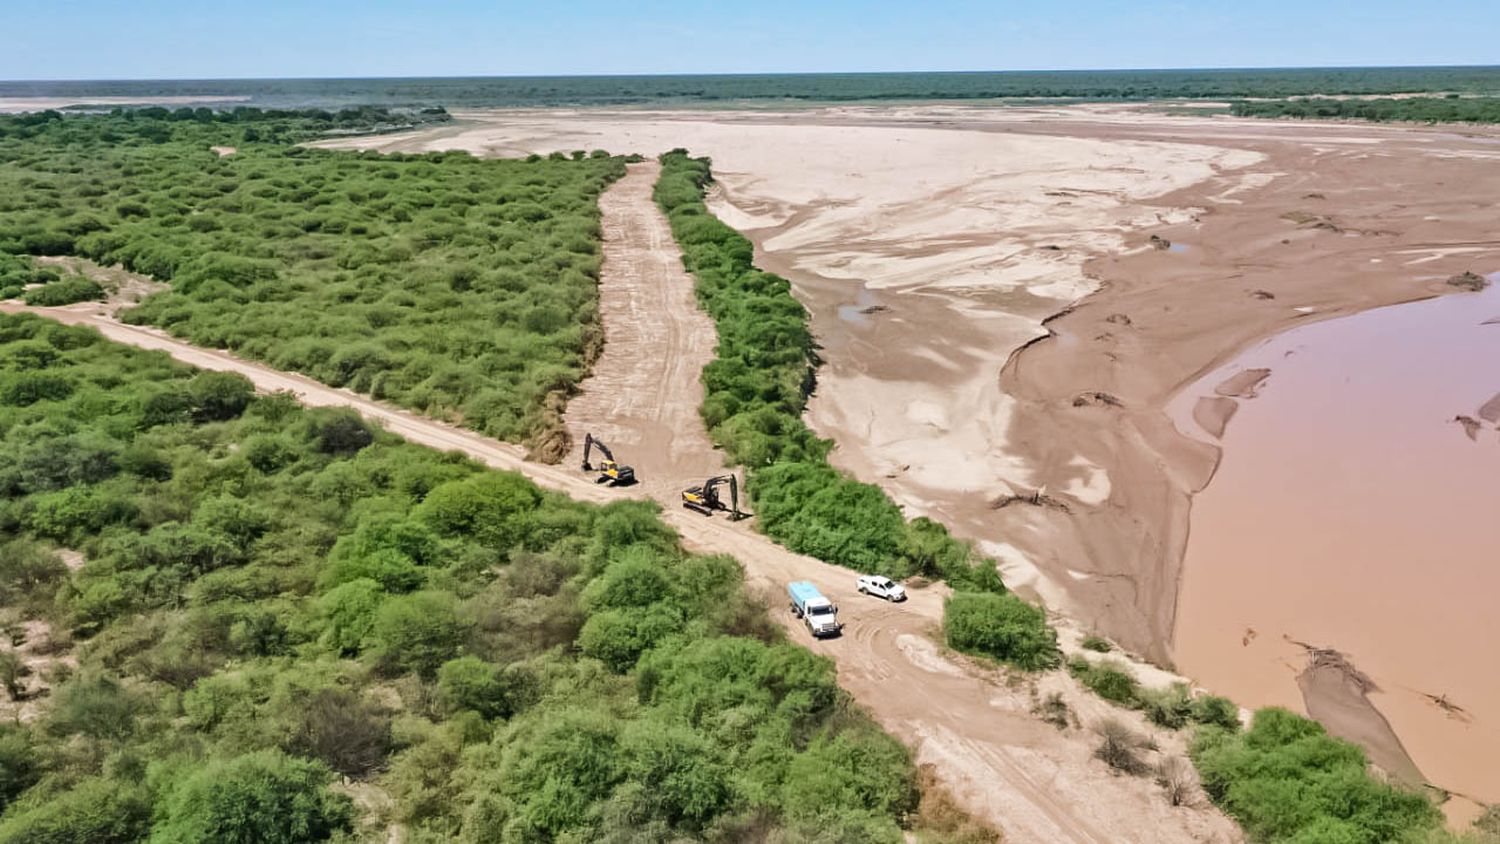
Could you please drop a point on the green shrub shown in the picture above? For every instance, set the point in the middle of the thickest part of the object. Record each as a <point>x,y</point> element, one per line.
<point>1003,627</point>
<point>1107,678</point>
<point>1286,779</point>
<point>65,292</point>
<point>1217,712</point>
<point>1097,644</point>
<point>95,811</point>
<point>417,632</point>
<point>264,797</point>
<point>1172,707</point>
<point>217,396</point>
<point>339,431</point>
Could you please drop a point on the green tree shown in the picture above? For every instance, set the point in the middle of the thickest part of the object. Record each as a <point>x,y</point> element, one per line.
<point>19,765</point>
<point>263,797</point>
<point>418,632</point>
<point>496,508</point>
<point>1000,626</point>
<point>349,611</point>
<point>470,683</point>
<point>217,396</point>
<point>95,811</point>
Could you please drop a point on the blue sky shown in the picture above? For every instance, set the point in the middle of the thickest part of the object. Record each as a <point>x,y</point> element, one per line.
<point>121,39</point>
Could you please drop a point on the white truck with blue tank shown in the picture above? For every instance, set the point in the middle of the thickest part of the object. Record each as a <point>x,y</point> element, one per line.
<point>819,613</point>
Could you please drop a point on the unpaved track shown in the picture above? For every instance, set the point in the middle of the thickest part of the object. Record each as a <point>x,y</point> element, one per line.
<point>1003,765</point>
<point>643,395</point>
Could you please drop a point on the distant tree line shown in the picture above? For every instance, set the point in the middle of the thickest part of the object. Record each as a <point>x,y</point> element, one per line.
<point>1449,109</point>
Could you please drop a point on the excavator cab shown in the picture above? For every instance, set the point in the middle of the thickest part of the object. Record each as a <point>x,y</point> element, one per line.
<point>609,470</point>
<point>705,498</point>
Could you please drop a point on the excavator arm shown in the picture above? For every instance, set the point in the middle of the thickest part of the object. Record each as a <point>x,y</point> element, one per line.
<point>590,442</point>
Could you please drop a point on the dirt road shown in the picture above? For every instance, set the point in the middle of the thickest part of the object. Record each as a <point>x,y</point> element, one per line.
<point>643,395</point>
<point>1034,782</point>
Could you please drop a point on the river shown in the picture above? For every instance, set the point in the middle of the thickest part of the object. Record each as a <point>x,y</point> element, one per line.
<point>1352,511</point>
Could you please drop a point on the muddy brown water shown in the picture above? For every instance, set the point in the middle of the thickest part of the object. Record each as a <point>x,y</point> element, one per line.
<point>1351,511</point>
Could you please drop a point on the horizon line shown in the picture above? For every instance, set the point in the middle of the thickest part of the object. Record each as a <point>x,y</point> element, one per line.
<point>364,78</point>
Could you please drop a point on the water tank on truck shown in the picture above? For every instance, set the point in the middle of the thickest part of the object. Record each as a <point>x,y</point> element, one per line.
<point>820,614</point>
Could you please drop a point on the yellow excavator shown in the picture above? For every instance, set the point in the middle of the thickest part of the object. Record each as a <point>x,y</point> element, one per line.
<point>609,470</point>
<point>705,497</point>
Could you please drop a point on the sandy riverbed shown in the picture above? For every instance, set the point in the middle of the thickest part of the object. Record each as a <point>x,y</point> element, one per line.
<point>930,243</point>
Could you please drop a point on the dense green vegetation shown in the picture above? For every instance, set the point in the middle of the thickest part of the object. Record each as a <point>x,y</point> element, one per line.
<point>18,271</point>
<point>463,288</point>
<point>689,89</point>
<point>272,598</point>
<point>1451,109</point>
<point>1286,780</point>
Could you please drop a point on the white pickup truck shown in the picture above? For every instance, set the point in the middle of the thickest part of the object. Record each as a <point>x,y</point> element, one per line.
<point>881,587</point>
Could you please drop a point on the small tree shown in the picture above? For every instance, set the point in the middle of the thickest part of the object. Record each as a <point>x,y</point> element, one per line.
<point>418,632</point>
<point>264,797</point>
<point>217,396</point>
<point>351,734</point>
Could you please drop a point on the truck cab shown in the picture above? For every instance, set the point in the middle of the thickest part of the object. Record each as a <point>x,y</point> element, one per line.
<point>817,612</point>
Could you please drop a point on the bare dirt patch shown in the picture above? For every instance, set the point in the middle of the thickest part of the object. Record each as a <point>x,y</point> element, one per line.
<point>123,289</point>
<point>44,655</point>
